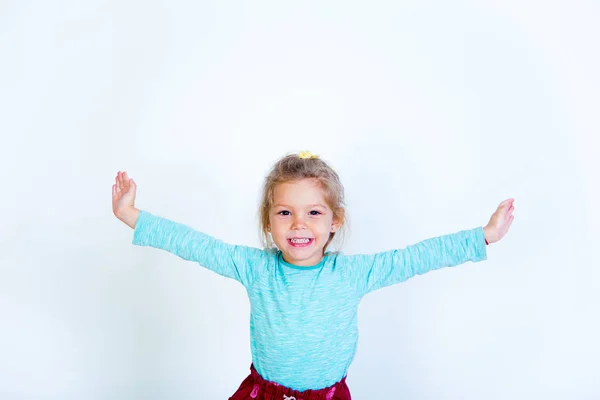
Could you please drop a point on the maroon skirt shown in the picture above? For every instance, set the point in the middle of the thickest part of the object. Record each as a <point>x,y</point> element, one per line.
<point>254,387</point>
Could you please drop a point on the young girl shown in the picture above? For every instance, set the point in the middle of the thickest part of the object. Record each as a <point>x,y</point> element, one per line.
<point>303,299</point>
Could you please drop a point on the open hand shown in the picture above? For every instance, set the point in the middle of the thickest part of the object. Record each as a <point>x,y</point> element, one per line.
<point>500,221</point>
<point>123,194</point>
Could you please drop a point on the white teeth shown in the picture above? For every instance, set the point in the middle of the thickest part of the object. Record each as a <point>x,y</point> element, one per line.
<point>298,241</point>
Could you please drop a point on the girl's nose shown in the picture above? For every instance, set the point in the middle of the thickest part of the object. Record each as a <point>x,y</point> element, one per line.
<point>298,222</point>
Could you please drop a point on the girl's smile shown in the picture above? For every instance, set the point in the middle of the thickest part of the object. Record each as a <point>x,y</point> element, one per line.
<point>301,242</point>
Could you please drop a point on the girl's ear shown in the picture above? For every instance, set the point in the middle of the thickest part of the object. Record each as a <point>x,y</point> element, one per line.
<point>338,221</point>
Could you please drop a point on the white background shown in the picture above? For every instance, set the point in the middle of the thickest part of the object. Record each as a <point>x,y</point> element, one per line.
<point>431,112</point>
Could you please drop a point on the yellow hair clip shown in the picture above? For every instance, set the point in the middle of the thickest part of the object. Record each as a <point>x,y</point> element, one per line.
<point>307,155</point>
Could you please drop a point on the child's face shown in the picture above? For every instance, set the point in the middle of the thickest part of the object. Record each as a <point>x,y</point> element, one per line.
<point>300,212</point>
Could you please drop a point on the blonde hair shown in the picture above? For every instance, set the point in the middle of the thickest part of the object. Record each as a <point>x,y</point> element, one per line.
<point>294,167</point>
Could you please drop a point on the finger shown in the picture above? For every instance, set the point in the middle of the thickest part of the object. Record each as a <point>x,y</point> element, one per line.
<point>502,210</point>
<point>507,202</point>
<point>125,182</point>
<point>502,205</point>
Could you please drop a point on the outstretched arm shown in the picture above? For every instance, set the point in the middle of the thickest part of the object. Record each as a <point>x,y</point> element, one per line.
<point>238,262</point>
<point>374,271</point>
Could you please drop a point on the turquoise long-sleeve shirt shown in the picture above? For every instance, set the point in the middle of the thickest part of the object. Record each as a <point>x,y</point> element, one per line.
<point>303,320</point>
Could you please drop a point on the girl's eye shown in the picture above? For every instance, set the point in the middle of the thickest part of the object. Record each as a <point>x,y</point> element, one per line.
<point>285,212</point>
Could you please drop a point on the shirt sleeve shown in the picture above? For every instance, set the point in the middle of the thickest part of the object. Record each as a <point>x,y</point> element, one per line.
<point>374,271</point>
<point>228,260</point>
